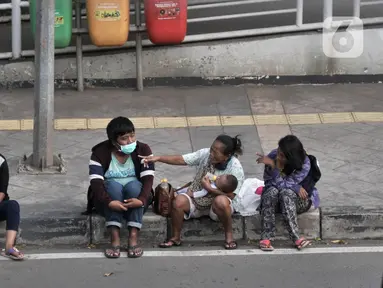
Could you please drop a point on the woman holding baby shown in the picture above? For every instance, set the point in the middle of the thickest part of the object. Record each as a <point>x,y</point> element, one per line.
<point>219,202</point>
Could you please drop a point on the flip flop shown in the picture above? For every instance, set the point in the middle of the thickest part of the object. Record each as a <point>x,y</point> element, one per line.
<point>113,252</point>
<point>170,243</point>
<point>232,245</point>
<point>302,243</point>
<point>265,245</point>
<point>13,254</point>
<point>132,251</point>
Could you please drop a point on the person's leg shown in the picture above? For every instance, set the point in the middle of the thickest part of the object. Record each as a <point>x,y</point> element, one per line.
<point>289,202</point>
<point>269,204</point>
<point>222,210</point>
<point>113,219</point>
<point>181,208</point>
<point>10,212</point>
<point>133,218</point>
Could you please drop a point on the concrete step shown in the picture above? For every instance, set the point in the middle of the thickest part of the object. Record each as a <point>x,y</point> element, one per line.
<point>157,228</point>
<point>352,222</point>
<point>74,229</point>
<point>49,230</point>
<point>309,225</point>
<point>154,229</point>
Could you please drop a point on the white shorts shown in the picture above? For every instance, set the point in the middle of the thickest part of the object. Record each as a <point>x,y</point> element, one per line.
<point>194,213</point>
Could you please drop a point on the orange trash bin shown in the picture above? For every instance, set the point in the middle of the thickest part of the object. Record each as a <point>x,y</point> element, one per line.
<point>166,21</point>
<point>108,22</point>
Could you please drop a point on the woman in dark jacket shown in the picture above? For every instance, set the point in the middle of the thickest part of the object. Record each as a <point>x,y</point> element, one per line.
<point>9,212</point>
<point>120,184</point>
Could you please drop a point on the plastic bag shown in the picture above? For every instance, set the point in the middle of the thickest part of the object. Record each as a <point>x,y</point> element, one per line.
<point>248,199</point>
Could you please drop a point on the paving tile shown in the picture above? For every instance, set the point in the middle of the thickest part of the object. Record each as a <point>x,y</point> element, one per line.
<point>220,100</point>
<point>233,101</point>
<point>17,193</point>
<point>365,141</point>
<point>374,178</point>
<point>359,189</point>
<point>328,132</point>
<point>331,98</point>
<point>248,135</point>
<point>265,100</point>
<point>251,145</point>
<point>375,158</point>
<point>124,102</point>
<point>334,178</point>
<point>203,137</point>
<point>362,128</point>
<point>271,134</point>
<point>43,183</point>
<point>340,197</point>
<point>356,169</point>
<point>73,152</point>
<point>327,163</point>
<point>298,99</point>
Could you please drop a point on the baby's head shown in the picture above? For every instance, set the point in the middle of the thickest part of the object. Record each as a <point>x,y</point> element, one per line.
<point>226,183</point>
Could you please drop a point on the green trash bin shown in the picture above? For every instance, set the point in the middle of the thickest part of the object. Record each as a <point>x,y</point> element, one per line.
<point>63,21</point>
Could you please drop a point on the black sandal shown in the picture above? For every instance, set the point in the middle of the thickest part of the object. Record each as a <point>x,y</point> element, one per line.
<point>170,243</point>
<point>135,251</point>
<point>232,245</point>
<point>113,252</point>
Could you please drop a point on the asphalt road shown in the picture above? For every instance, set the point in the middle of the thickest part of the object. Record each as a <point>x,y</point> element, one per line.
<point>312,13</point>
<point>339,270</point>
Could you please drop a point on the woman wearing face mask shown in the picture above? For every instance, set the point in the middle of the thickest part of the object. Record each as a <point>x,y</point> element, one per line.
<point>221,158</point>
<point>285,170</point>
<point>120,184</point>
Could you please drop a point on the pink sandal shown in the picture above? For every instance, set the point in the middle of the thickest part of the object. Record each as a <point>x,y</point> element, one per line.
<point>302,243</point>
<point>265,245</point>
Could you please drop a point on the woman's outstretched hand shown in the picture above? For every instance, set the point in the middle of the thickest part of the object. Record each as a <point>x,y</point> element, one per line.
<point>262,159</point>
<point>149,159</point>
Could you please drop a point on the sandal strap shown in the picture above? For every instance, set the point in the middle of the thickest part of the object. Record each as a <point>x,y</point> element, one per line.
<point>12,250</point>
<point>300,241</point>
<point>134,247</point>
<point>173,242</point>
<point>114,249</point>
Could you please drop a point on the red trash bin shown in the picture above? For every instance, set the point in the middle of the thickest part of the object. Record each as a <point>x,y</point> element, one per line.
<point>166,21</point>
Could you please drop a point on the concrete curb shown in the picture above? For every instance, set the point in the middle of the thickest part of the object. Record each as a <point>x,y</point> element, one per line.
<point>352,222</point>
<point>327,223</point>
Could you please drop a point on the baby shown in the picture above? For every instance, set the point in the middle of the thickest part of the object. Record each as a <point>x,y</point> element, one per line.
<point>227,183</point>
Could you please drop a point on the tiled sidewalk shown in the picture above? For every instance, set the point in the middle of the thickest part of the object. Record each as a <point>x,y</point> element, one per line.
<point>350,154</point>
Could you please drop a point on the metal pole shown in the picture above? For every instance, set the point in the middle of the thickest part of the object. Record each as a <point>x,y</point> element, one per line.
<point>299,20</point>
<point>327,9</point>
<point>44,86</point>
<point>357,8</point>
<point>140,81</point>
<point>80,73</point>
<point>16,29</point>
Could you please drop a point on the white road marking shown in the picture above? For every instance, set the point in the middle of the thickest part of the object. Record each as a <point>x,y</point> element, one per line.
<point>208,253</point>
